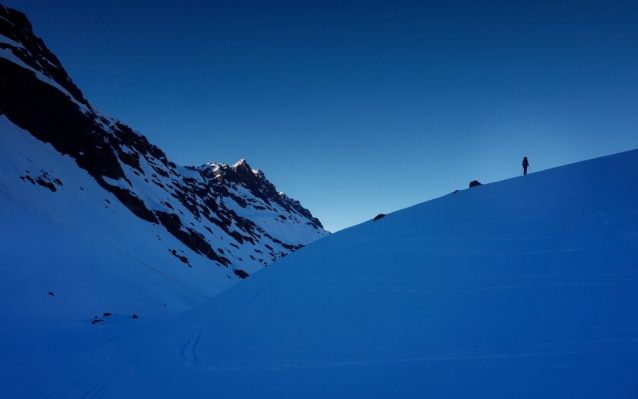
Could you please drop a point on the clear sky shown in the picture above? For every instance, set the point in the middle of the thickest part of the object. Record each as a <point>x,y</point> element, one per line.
<point>359,107</point>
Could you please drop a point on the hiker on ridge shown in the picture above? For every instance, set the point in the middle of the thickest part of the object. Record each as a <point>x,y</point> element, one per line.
<point>525,165</point>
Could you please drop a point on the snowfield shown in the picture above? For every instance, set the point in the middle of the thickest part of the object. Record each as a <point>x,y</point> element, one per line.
<point>524,288</point>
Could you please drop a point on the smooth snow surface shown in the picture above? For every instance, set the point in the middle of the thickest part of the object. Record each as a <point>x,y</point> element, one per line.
<point>526,288</point>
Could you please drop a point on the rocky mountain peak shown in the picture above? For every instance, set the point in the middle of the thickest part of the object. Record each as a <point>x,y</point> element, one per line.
<point>243,170</point>
<point>241,164</point>
<point>231,215</point>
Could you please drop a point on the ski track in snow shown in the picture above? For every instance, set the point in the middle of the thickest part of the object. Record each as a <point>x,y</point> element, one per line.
<point>101,381</point>
<point>188,353</point>
<point>187,349</point>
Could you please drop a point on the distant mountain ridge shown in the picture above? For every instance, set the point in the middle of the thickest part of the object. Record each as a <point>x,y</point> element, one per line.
<point>231,215</point>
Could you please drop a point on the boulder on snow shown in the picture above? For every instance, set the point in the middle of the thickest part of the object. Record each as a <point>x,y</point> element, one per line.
<point>474,183</point>
<point>107,314</point>
<point>134,316</point>
<point>50,293</point>
<point>240,273</point>
<point>379,216</point>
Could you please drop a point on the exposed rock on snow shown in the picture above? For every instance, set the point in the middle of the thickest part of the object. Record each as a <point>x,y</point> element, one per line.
<point>379,216</point>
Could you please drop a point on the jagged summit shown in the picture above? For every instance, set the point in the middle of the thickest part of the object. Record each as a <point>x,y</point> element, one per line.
<point>240,179</point>
<point>241,164</point>
<point>241,167</point>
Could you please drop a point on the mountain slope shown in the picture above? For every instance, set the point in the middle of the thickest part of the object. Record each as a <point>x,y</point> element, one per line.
<point>102,184</point>
<point>522,288</point>
<point>82,244</point>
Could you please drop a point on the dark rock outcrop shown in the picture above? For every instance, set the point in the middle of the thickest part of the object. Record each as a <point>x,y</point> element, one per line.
<point>474,183</point>
<point>242,274</point>
<point>379,216</point>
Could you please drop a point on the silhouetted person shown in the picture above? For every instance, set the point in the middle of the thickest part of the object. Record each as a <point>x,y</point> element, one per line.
<point>525,165</point>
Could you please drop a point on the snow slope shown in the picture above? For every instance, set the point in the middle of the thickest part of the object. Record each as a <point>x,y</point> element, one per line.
<point>524,288</point>
<point>83,245</point>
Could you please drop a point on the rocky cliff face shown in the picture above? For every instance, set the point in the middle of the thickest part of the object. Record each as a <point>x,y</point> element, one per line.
<point>231,215</point>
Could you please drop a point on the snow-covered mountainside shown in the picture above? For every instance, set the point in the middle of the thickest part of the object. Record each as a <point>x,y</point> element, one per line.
<point>91,170</point>
<point>524,288</point>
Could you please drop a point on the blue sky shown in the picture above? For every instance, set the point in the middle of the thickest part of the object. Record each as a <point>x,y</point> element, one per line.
<point>359,108</point>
